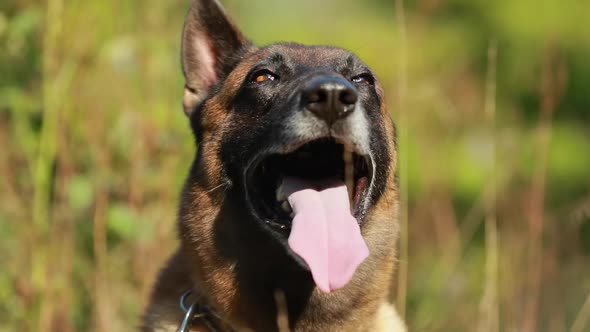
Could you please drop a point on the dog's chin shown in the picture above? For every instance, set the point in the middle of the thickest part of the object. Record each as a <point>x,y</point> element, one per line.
<point>318,161</point>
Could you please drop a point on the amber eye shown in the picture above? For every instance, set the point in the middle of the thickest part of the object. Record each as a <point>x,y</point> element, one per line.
<point>263,76</point>
<point>364,79</point>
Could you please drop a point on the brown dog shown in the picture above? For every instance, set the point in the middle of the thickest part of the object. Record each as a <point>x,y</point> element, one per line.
<point>287,219</point>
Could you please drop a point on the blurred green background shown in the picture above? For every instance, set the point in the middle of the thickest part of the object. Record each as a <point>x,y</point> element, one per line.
<point>491,99</point>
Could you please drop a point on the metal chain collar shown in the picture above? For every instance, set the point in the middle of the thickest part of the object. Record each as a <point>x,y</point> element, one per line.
<point>194,311</point>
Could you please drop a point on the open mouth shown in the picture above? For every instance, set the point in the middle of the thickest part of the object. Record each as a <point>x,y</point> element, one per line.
<point>318,162</point>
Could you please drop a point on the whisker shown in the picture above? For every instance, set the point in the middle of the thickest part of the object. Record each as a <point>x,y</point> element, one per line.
<point>217,187</point>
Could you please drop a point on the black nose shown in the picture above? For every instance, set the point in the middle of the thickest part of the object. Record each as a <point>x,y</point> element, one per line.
<point>330,99</point>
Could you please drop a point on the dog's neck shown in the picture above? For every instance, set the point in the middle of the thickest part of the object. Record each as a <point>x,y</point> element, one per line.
<point>256,273</point>
<point>258,303</point>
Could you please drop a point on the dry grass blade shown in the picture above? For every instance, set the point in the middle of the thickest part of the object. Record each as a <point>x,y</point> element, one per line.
<point>282,313</point>
<point>489,319</point>
<point>552,88</point>
<point>348,172</point>
<point>402,272</point>
<point>583,317</point>
<point>47,151</point>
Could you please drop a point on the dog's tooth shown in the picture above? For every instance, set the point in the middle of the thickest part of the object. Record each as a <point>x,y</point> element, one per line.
<point>286,207</point>
<point>348,172</point>
<point>280,194</point>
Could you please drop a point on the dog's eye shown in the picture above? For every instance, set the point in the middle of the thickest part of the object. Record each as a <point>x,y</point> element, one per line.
<point>263,76</point>
<point>363,79</point>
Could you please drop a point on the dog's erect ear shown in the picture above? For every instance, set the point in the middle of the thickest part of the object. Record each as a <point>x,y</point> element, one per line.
<point>210,46</point>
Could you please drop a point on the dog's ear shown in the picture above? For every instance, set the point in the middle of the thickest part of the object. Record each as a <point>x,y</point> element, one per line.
<point>211,44</point>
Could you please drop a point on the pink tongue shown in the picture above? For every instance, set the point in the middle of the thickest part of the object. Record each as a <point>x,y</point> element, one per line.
<point>324,233</point>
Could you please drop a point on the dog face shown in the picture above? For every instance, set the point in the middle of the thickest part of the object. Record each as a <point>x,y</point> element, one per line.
<point>285,131</point>
<point>303,107</point>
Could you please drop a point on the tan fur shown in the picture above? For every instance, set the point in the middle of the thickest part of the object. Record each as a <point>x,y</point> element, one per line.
<point>164,314</point>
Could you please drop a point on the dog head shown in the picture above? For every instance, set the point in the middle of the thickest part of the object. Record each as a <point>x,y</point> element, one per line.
<point>295,148</point>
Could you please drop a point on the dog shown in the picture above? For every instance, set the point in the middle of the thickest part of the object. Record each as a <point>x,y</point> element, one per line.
<point>287,219</point>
